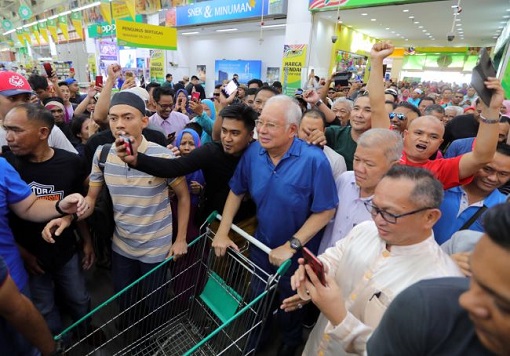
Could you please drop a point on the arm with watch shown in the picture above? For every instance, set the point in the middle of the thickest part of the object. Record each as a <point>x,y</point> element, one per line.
<point>488,132</point>
<point>313,98</point>
<point>310,228</point>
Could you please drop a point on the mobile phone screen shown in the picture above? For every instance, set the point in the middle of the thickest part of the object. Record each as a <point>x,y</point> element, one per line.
<point>48,69</point>
<point>195,96</point>
<point>231,86</point>
<point>99,80</point>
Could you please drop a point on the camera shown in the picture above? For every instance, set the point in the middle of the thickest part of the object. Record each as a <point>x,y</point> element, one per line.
<point>334,38</point>
<point>450,36</point>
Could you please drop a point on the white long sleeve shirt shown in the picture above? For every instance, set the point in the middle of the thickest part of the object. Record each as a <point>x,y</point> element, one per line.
<point>370,277</point>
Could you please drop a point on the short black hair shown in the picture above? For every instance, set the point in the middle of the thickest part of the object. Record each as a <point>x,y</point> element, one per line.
<point>77,123</point>
<point>277,84</point>
<point>218,86</point>
<point>63,83</point>
<point>53,98</point>
<point>195,126</point>
<point>428,98</point>
<point>242,113</point>
<point>272,90</point>
<point>405,104</point>
<point>316,114</point>
<point>433,107</point>
<point>38,82</point>
<point>503,148</point>
<point>251,91</point>
<point>37,112</point>
<point>168,75</point>
<point>392,103</point>
<point>193,77</point>
<point>159,91</point>
<point>151,85</point>
<point>255,81</point>
<point>497,224</point>
<point>504,119</point>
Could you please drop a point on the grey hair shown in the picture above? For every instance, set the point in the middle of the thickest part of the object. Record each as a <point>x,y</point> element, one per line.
<point>349,103</point>
<point>458,109</point>
<point>388,141</point>
<point>292,111</point>
<point>428,191</point>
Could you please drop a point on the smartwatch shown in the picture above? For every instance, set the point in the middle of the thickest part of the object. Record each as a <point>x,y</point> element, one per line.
<point>295,244</point>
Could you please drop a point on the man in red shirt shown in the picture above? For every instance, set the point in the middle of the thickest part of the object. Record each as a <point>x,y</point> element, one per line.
<point>424,134</point>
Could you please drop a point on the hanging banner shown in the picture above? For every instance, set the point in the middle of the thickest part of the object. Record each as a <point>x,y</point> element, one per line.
<point>294,57</point>
<point>26,34</point>
<point>43,30</point>
<point>76,19</point>
<point>106,11</point>
<point>35,31</point>
<point>141,35</point>
<point>52,27</point>
<point>131,6</point>
<point>20,36</point>
<point>157,66</point>
<point>92,65</point>
<point>62,24</point>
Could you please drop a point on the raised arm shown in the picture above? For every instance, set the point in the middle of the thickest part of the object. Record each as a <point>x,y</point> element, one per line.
<point>80,109</point>
<point>488,132</point>
<point>312,97</point>
<point>102,106</point>
<point>375,84</point>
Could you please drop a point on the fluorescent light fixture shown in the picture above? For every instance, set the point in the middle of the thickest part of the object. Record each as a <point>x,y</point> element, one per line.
<point>278,25</point>
<point>423,30</point>
<point>387,28</point>
<point>94,4</point>
<point>53,17</point>
<point>227,30</point>
<point>416,22</point>
<point>30,24</point>
<point>420,26</point>
<point>373,20</point>
<point>411,17</point>
<point>190,33</point>
<point>43,20</point>
<point>405,10</point>
<point>364,14</point>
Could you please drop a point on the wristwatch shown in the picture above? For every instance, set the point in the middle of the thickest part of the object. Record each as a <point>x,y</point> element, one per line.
<point>319,103</point>
<point>295,244</point>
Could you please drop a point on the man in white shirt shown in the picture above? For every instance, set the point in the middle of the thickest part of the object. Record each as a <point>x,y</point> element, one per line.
<point>377,151</point>
<point>375,262</point>
<point>316,120</point>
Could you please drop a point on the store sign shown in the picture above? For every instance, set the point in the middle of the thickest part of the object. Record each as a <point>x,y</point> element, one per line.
<point>246,70</point>
<point>314,5</point>
<point>142,35</point>
<point>105,29</point>
<point>157,66</point>
<point>219,11</point>
<point>294,57</point>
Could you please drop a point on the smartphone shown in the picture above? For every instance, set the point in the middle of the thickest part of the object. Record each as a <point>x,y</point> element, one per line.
<point>231,87</point>
<point>315,263</point>
<point>48,69</point>
<point>342,79</point>
<point>99,80</point>
<point>71,70</point>
<point>481,72</point>
<point>195,96</point>
<point>171,137</point>
<point>127,144</point>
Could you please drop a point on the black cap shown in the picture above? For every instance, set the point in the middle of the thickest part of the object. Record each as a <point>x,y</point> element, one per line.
<point>127,98</point>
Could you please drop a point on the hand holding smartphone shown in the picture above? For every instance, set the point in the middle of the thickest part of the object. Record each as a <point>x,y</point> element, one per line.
<point>481,72</point>
<point>48,69</point>
<point>127,144</point>
<point>99,80</point>
<point>316,265</point>
<point>195,96</point>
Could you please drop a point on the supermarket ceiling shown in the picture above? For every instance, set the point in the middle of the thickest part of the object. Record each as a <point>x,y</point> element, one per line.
<point>428,24</point>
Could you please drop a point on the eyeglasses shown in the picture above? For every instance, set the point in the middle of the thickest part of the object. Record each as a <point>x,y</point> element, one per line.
<point>268,125</point>
<point>397,115</point>
<point>216,94</point>
<point>165,106</point>
<point>389,217</point>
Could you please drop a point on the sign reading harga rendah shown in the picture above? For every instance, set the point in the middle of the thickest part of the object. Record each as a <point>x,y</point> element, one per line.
<point>219,11</point>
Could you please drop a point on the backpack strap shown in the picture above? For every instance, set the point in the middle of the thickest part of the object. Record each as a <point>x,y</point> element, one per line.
<point>103,155</point>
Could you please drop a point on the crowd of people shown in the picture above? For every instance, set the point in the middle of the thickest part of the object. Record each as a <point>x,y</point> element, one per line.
<point>400,189</point>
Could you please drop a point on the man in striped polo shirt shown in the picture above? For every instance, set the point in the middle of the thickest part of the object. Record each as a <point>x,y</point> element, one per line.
<point>143,219</point>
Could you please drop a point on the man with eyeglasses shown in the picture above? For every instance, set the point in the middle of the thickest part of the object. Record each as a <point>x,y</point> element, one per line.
<point>172,122</point>
<point>292,186</point>
<point>374,262</point>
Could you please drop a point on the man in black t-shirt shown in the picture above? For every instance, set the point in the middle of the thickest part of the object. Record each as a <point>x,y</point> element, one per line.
<point>456,316</point>
<point>52,174</point>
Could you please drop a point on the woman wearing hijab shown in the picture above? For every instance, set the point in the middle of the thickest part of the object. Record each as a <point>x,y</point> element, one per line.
<point>206,114</point>
<point>182,103</point>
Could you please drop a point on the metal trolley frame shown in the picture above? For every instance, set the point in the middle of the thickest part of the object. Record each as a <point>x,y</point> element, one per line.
<point>199,304</point>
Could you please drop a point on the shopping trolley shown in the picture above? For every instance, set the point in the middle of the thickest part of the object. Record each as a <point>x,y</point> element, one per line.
<point>206,307</point>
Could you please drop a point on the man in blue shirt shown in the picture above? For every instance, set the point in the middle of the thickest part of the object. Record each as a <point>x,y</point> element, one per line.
<point>292,186</point>
<point>461,203</point>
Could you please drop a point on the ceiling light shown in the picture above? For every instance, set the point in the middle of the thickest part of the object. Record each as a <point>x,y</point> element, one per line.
<point>428,33</point>
<point>407,10</point>
<point>227,30</point>
<point>506,16</point>
<point>502,21</point>
<point>411,17</point>
<point>416,22</point>
<point>501,26</point>
<point>458,24</point>
<point>387,28</point>
<point>392,31</point>
<point>423,30</point>
<point>420,26</point>
<point>280,25</point>
<point>364,14</point>
<point>457,19</point>
<point>373,20</point>
<point>407,39</point>
<point>190,33</point>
